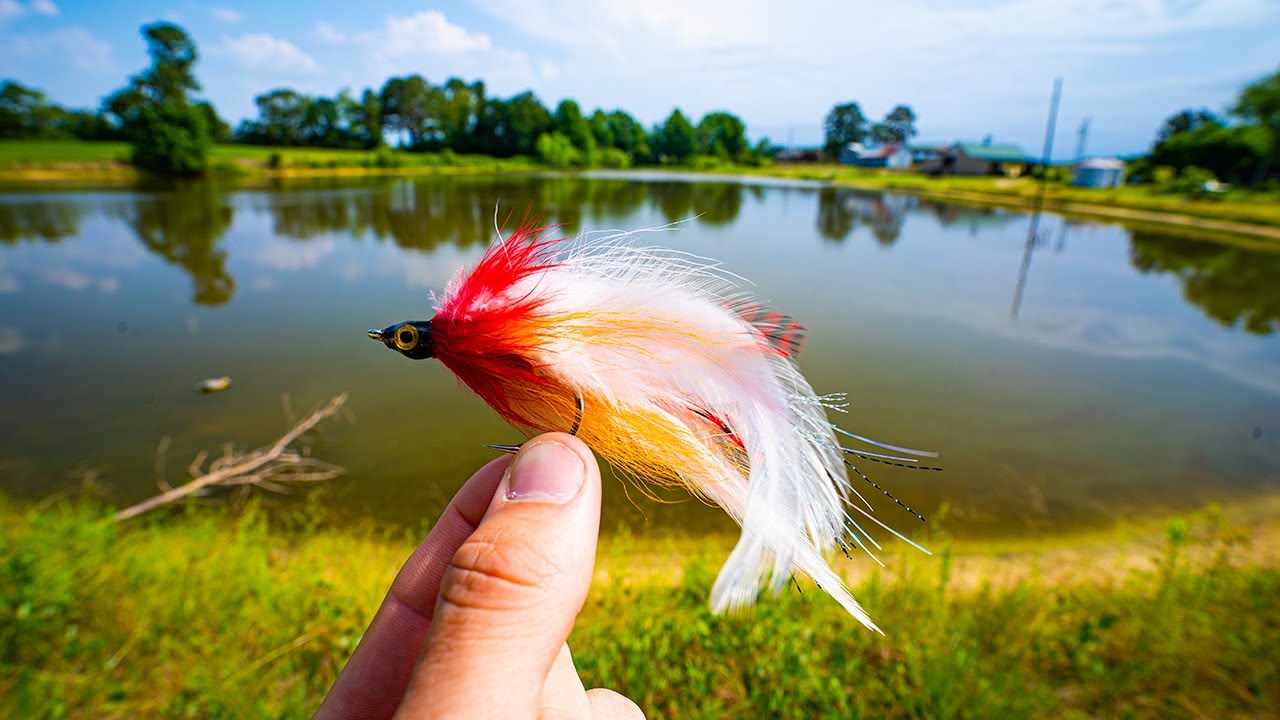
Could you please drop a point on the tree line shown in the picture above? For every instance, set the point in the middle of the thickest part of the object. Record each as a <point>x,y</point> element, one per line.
<point>1240,147</point>
<point>846,124</point>
<point>170,130</point>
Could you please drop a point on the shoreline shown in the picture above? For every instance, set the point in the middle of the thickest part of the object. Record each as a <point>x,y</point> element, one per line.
<point>1254,219</point>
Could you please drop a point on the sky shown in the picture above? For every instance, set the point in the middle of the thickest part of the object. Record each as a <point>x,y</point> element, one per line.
<point>969,68</point>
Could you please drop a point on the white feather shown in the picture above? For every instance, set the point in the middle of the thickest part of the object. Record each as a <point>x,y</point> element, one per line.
<point>792,507</point>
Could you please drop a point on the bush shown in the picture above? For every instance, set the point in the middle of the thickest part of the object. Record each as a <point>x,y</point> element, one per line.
<point>172,139</point>
<point>557,150</point>
<point>614,158</point>
<point>1192,181</point>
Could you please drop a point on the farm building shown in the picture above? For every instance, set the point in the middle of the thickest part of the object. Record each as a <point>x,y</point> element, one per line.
<point>1098,173</point>
<point>987,158</point>
<point>890,155</point>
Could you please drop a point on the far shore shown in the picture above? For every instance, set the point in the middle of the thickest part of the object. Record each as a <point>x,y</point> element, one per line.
<point>1237,216</point>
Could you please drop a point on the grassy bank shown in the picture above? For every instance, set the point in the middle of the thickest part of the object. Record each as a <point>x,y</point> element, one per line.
<point>79,161</point>
<point>1240,211</point>
<point>213,613</point>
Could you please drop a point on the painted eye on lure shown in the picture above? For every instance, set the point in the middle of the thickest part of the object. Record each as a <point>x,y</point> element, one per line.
<point>662,364</point>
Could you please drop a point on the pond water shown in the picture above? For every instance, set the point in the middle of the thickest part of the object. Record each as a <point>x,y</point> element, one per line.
<point>1093,374</point>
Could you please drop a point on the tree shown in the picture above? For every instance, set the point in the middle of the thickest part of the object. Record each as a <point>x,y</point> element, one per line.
<point>1186,121</point>
<point>570,123</point>
<point>722,135</point>
<point>167,132</point>
<point>881,133</point>
<point>1232,154</point>
<point>408,107</point>
<point>524,120</point>
<point>461,106</point>
<point>629,136</point>
<point>24,112</point>
<point>557,150</point>
<point>676,141</point>
<point>219,129</point>
<point>282,119</point>
<point>602,130</point>
<point>844,124</point>
<point>368,120</point>
<point>1259,103</point>
<point>899,125</point>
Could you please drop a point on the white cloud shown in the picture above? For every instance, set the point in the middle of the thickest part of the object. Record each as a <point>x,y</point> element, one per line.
<point>265,52</point>
<point>226,15</point>
<point>329,34</point>
<point>429,42</point>
<point>425,32</point>
<point>78,46</point>
<point>12,9</point>
<point>967,68</point>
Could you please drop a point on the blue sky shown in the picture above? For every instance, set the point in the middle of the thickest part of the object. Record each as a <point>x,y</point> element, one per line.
<point>969,68</point>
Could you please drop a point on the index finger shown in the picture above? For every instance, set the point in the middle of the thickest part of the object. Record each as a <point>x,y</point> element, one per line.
<point>371,685</point>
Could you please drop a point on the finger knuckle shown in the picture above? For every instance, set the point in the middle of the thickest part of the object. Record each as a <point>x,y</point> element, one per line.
<point>490,574</point>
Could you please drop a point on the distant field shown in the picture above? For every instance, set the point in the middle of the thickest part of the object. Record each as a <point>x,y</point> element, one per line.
<point>16,155</point>
<point>1259,208</point>
<point>44,152</point>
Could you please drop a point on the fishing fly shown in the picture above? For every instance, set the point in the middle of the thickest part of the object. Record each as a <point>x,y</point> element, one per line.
<point>664,365</point>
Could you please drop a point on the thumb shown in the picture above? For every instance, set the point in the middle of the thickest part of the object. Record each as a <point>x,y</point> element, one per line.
<point>513,590</point>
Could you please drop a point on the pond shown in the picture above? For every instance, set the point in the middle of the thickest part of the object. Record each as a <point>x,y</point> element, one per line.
<point>1092,374</point>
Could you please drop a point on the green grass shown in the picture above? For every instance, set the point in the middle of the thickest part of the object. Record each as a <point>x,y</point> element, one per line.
<point>1237,205</point>
<point>47,152</point>
<point>214,613</point>
<point>19,156</point>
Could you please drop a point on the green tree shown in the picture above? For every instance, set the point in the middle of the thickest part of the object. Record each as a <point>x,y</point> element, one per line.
<point>168,133</point>
<point>461,107</point>
<point>283,115</point>
<point>843,125</point>
<point>368,120</point>
<point>570,123</point>
<point>1259,103</point>
<point>1186,121</point>
<point>602,130</point>
<point>219,129</point>
<point>723,135</point>
<point>900,124</point>
<point>524,120</point>
<point>629,136</point>
<point>557,150</point>
<point>1232,154</point>
<point>677,140</point>
<point>409,106</point>
<point>25,112</point>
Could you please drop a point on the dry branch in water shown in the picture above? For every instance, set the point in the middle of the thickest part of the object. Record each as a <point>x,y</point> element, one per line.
<point>270,468</point>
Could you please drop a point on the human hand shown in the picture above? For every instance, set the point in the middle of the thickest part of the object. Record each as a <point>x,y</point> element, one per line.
<point>475,623</point>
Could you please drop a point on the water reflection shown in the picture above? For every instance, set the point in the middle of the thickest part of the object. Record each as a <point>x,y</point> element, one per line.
<point>38,219</point>
<point>841,210</point>
<point>1233,285</point>
<point>907,301</point>
<point>184,227</point>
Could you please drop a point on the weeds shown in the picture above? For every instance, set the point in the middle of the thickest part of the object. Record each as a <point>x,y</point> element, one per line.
<point>232,615</point>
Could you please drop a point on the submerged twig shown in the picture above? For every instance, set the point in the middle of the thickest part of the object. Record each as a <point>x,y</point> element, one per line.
<point>270,468</point>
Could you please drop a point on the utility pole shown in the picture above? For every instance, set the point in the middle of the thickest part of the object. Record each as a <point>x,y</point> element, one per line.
<point>1034,230</point>
<point>1082,140</point>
